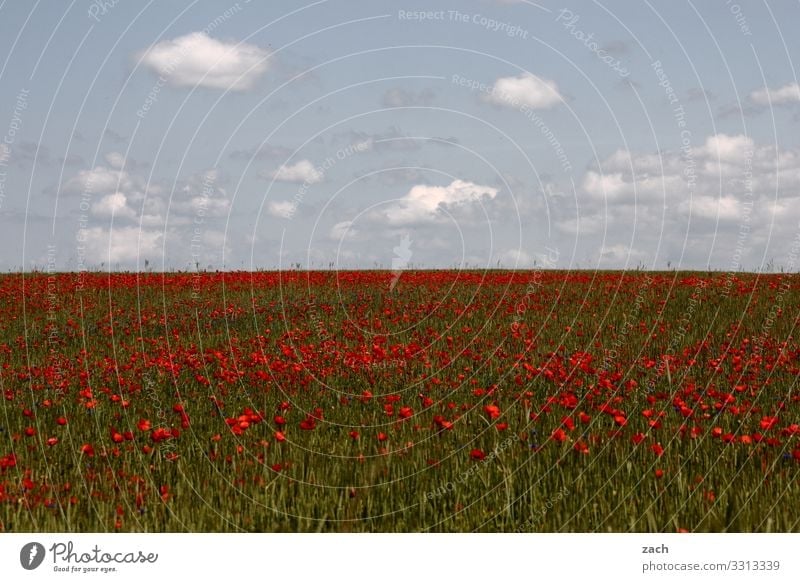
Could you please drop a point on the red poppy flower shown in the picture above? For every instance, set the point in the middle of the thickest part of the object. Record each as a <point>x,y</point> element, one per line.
<point>659,473</point>
<point>280,437</point>
<point>584,418</point>
<point>492,411</point>
<point>309,423</point>
<point>581,447</point>
<point>620,420</point>
<point>161,434</point>
<point>87,450</point>
<point>382,436</point>
<point>768,422</point>
<point>657,449</point>
<point>477,455</point>
<point>559,435</point>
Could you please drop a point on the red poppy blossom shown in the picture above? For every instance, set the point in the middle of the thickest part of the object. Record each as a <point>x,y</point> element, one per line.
<point>492,411</point>
<point>308,423</point>
<point>581,447</point>
<point>477,455</point>
<point>768,422</point>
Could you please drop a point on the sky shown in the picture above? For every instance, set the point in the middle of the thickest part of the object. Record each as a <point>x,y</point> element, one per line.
<point>383,134</point>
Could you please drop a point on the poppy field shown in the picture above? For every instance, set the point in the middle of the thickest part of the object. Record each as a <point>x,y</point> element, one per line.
<point>354,401</point>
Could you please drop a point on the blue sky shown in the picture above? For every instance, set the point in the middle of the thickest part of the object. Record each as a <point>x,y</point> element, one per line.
<point>484,133</point>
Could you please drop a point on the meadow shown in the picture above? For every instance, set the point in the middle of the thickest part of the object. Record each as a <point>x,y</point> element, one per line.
<point>455,401</point>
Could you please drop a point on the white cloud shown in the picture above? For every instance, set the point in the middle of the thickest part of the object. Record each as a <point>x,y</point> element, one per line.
<point>101,179</point>
<point>342,230</point>
<point>526,89</point>
<point>196,59</point>
<point>721,203</point>
<point>620,187</point>
<point>113,205</point>
<point>729,148</point>
<point>724,208</point>
<point>423,203</point>
<point>782,96</point>
<point>301,172</point>
<point>282,208</point>
<point>116,160</point>
<point>127,244</point>
<point>148,212</point>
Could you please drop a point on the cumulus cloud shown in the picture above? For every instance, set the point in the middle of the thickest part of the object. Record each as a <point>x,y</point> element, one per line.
<point>728,148</point>
<point>101,179</point>
<point>196,59</point>
<point>785,95</point>
<point>524,90</point>
<point>301,172</point>
<point>636,178</point>
<point>719,202</point>
<point>282,208</point>
<point>148,213</point>
<point>115,205</point>
<point>116,160</point>
<point>128,244</point>
<point>342,230</point>
<point>425,203</point>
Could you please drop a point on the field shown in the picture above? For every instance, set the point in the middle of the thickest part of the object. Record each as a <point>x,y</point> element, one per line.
<point>536,401</point>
